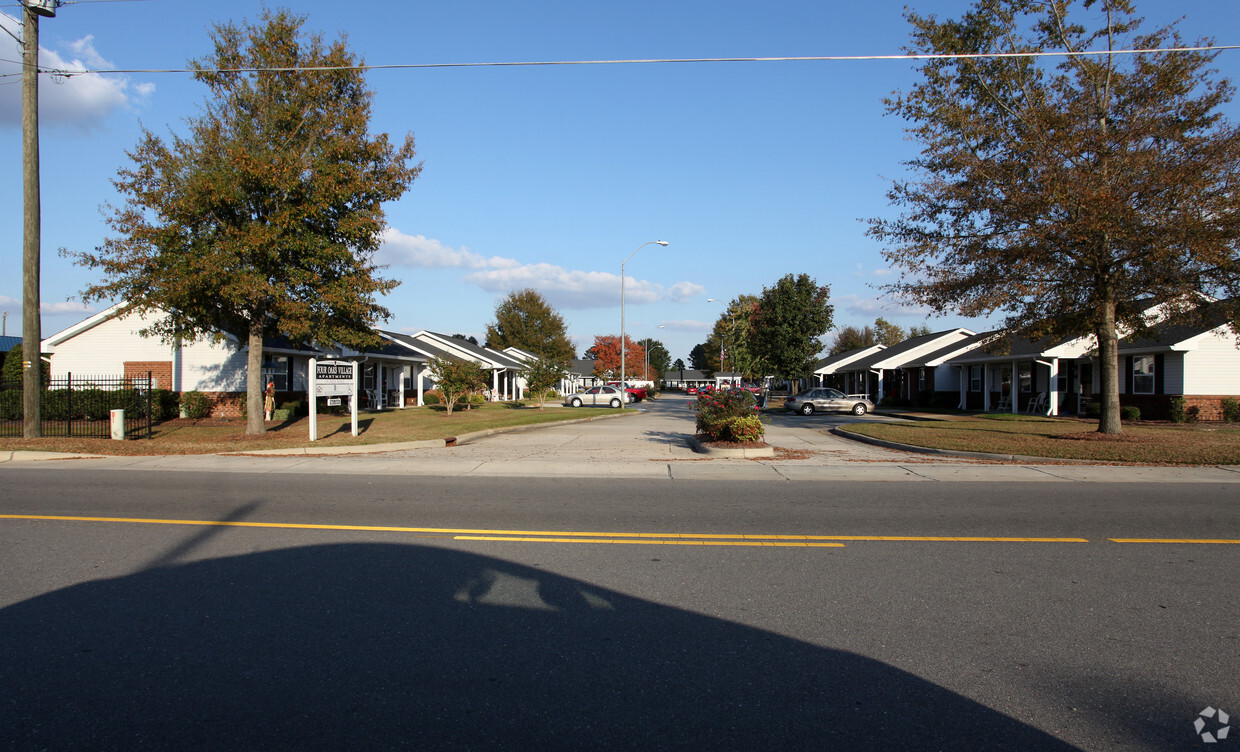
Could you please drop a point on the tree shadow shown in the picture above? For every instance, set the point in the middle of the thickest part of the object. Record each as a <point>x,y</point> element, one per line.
<point>379,646</point>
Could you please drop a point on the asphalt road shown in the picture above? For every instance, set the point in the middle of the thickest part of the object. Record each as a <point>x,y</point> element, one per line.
<point>186,610</point>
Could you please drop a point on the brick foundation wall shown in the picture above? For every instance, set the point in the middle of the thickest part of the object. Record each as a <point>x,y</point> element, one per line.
<point>1209,407</point>
<point>161,371</point>
<point>1158,406</point>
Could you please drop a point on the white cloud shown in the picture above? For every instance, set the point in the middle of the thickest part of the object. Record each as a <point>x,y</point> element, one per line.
<point>688,326</point>
<point>86,48</point>
<point>421,252</point>
<point>563,288</point>
<point>81,101</point>
<point>66,307</point>
<point>682,292</point>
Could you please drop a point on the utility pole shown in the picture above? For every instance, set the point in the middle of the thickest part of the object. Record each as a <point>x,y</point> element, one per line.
<point>32,331</point>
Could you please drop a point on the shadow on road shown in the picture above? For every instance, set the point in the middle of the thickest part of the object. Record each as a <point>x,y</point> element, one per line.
<point>376,646</point>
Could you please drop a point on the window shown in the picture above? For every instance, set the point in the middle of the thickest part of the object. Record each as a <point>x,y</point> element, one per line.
<point>1143,374</point>
<point>368,376</point>
<point>1024,374</point>
<point>277,368</point>
<point>921,379</point>
<point>975,378</point>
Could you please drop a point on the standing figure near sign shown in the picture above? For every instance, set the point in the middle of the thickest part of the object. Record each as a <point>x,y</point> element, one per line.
<point>269,400</point>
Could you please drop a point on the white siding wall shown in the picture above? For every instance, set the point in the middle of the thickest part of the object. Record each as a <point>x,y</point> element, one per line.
<point>1173,373</point>
<point>946,378</point>
<point>103,350</point>
<point>1213,367</point>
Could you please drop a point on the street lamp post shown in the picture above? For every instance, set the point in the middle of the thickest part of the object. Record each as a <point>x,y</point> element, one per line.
<point>719,300</point>
<point>646,370</point>
<point>622,263</point>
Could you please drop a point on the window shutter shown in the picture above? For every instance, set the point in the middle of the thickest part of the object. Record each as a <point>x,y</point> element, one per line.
<point>1159,387</point>
<point>1128,374</point>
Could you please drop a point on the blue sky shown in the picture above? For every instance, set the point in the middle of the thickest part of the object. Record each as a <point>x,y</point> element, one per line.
<point>544,177</point>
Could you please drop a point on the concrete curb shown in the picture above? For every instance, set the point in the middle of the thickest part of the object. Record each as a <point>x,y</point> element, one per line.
<point>844,433</point>
<point>36,456</point>
<point>731,452</point>
<point>23,455</point>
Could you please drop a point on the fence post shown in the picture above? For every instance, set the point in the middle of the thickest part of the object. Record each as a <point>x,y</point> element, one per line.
<point>68,404</point>
<point>150,388</point>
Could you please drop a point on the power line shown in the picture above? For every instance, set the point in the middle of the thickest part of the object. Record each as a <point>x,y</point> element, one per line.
<point>660,61</point>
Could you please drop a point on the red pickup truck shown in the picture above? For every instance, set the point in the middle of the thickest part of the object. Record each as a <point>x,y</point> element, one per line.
<point>637,393</point>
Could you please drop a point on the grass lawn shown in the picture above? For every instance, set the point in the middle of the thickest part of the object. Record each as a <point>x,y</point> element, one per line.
<point>1069,438</point>
<point>184,436</point>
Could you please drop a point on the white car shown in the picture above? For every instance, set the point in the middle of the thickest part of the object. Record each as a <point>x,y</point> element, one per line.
<point>599,396</point>
<point>825,399</point>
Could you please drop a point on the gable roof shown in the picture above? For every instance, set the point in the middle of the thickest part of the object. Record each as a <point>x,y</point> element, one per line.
<point>910,349</point>
<point>834,363</point>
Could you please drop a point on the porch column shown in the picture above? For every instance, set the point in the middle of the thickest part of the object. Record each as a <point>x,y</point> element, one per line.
<point>1052,387</point>
<point>878,396</point>
<point>418,378</point>
<point>1013,388</point>
<point>964,384</point>
<point>400,388</point>
<point>986,388</point>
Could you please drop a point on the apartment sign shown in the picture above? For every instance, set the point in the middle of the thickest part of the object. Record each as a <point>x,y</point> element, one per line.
<point>333,378</point>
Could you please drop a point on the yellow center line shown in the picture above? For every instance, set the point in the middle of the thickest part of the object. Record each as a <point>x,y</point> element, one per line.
<point>645,541</point>
<point>564,535</point>
<point>1175,540</point>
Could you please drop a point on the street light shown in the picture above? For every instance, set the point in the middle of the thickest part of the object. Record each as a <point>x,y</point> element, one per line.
<point>646,372</point>
<point>719,300</point>
<point>622,263</point>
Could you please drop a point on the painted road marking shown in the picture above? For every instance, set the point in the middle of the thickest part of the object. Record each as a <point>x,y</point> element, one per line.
<point>1174,540</point>
<point>563,536</point>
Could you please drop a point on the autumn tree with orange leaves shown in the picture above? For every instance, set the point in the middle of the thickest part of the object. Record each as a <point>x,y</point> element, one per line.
<point>606,354</point>
<point>264,218</point>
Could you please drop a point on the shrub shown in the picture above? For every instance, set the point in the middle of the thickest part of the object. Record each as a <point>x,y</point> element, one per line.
<point>1093,410</point>
<point>431,398</point>
<point>925,398</point>
<point>196,405</point>
<point>11,407</point>
<point>1175,410</point>
<point>716,410</point>
<point>294,408</point>
<point>1231,409</point>
<point>1130,412</point>
<point>744,428</point>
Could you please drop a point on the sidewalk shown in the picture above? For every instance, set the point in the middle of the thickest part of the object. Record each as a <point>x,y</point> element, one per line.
<point>651,445</point>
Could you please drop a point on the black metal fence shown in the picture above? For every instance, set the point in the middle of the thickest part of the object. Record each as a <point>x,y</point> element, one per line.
<point>81,406</point>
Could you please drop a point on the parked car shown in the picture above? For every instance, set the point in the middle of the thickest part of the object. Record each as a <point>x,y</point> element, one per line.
<point>691,390</point>
<point>825,399</point>
<point>638,392</point>
<point>599,396</point>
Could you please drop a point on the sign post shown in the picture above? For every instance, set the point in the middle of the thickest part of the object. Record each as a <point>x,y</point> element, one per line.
<point>331,378</point>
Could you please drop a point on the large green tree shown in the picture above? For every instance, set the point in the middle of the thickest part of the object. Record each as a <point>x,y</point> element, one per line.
<point>853,338</point>
<point>790,318</point>
<point>887,333</point>
<point>734,335</point>
<point>659,358</point>
<point>264,218</point>
<point>1064,193</point>
<point>526,320</point>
